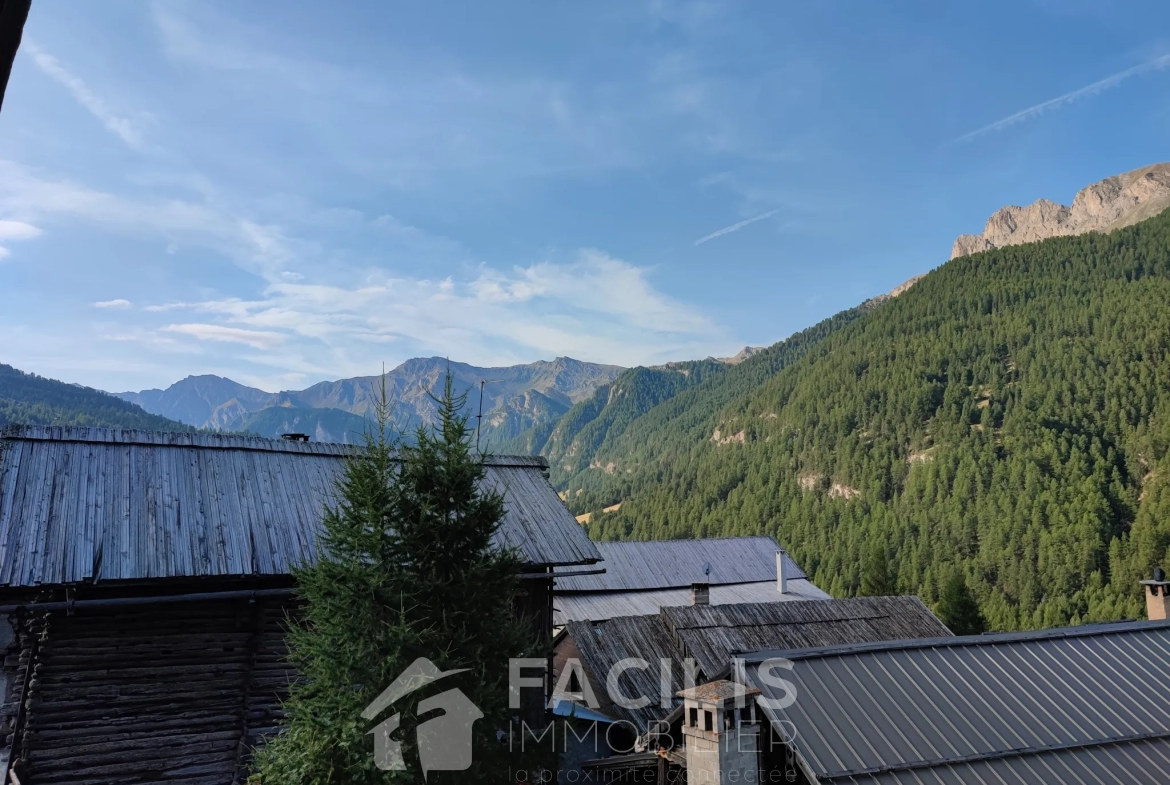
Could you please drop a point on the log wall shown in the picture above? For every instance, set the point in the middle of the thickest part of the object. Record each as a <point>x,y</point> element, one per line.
<point>151,694</point>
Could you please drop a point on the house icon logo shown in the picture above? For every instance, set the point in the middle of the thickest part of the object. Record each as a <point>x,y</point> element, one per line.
<point>444,742</point>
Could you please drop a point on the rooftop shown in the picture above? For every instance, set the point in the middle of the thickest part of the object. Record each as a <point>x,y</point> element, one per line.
<point>641,577</point>
<point>711,635</point>
<point>717,692</point>
<point>80,505</point>
<point>598,606</point>
<point>664,564</point>
<point>1078,705</point>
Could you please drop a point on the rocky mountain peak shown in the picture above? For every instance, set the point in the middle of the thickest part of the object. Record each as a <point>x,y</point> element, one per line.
<point>1110,204</point>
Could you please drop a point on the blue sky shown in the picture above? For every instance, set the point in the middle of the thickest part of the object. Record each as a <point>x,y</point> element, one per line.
<point>296,191</point>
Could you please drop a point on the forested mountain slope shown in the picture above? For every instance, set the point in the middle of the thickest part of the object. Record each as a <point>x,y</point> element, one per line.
<point>26,399</point>
<point>571,440</point>
<point>1009,415</point>
<point>625,458</point>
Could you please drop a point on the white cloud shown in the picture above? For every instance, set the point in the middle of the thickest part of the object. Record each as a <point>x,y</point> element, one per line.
<point>735,227</point>
<point>16,230</point>
<point>215,332</point>
<point>1095,88</point>
<point>117,304</point>
<point>259,247</point>
<point>122,127</point>
<point>594,307</point>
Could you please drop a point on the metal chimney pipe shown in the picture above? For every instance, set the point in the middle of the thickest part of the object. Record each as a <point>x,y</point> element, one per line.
<point>781,573</point>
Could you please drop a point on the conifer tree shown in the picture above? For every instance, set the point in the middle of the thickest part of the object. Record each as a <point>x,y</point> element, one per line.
<point>876,580</point>
<point>958,609</point>
<point>406,569</point>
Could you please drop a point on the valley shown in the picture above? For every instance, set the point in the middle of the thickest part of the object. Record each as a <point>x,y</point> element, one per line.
<point>1006,415</point>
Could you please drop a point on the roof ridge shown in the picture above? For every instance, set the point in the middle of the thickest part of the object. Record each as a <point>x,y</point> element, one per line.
<point>697,539</point>
<point>209,440</point>
<point>987,639</point>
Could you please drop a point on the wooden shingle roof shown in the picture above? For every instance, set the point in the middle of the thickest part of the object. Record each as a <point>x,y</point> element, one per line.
<point>711,635</point>
<point>87,504</point>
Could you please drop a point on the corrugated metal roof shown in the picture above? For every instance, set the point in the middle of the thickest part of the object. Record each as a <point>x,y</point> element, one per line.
<point>84,504</point>
<point>711,635</point>
<point>663,564</point>
<point>1079,705</point>
<point>597,606</point>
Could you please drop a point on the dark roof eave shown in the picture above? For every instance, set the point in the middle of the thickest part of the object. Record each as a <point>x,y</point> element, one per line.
<point>981,757</point>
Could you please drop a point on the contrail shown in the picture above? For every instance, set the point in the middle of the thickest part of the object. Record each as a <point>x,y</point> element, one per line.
<point>735,227</point>
<point>126,130</point>
<point>1095,88</point>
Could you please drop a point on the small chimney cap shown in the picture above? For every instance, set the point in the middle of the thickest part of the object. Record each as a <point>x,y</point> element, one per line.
<point>1159,574</point>
<point>295,437</point>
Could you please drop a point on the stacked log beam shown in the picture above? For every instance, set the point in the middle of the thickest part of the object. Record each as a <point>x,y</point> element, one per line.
<point>157,694</point>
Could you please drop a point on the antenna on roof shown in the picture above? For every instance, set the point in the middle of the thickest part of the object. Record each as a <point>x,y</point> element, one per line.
<point>707,568</point>
<point>479,417</point>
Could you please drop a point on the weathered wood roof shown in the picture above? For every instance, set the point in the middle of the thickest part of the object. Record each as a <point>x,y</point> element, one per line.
<point>710,635</point>
<point>661,564</point>
<point>89,504</point>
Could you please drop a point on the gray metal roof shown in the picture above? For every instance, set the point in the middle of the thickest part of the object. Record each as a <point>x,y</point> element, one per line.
<point>663,564</point>
<point>1084,704</point>
<point>600,605</point>
<point>710,635</point>
<point>86,504</point>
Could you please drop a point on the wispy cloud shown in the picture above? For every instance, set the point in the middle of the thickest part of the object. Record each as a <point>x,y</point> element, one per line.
<point>594,307</point>
<point>122,127</point>
<point>736,227</point>
<point>16,230</point>
<point>114,304</point>
<point>1095,88</point>
<point>258,247</point>
<point>257,339</point>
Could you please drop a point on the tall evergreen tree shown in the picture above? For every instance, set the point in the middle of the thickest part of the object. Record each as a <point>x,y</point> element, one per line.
<point>876,580</point>
<point>406,569</point>
<point>958,609</point>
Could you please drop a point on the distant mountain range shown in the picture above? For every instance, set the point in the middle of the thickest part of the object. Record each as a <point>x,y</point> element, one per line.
<point>515,398</point>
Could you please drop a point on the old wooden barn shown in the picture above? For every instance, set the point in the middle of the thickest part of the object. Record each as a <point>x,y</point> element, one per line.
<point>145,578</point>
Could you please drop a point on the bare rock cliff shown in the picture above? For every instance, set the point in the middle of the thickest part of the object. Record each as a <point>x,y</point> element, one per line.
<point>1101,207</point>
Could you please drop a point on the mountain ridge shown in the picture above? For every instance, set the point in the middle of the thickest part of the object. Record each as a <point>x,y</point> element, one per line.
<point>1113,203</point>
<point>515,398</point>
<point>28,399</point>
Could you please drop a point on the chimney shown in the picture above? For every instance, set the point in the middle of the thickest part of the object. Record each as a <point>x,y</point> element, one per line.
<point>721,733</point>
<point>781,573</point>
<point>1158,596</point>
<point>701,593</point>
<point>295,437</point>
